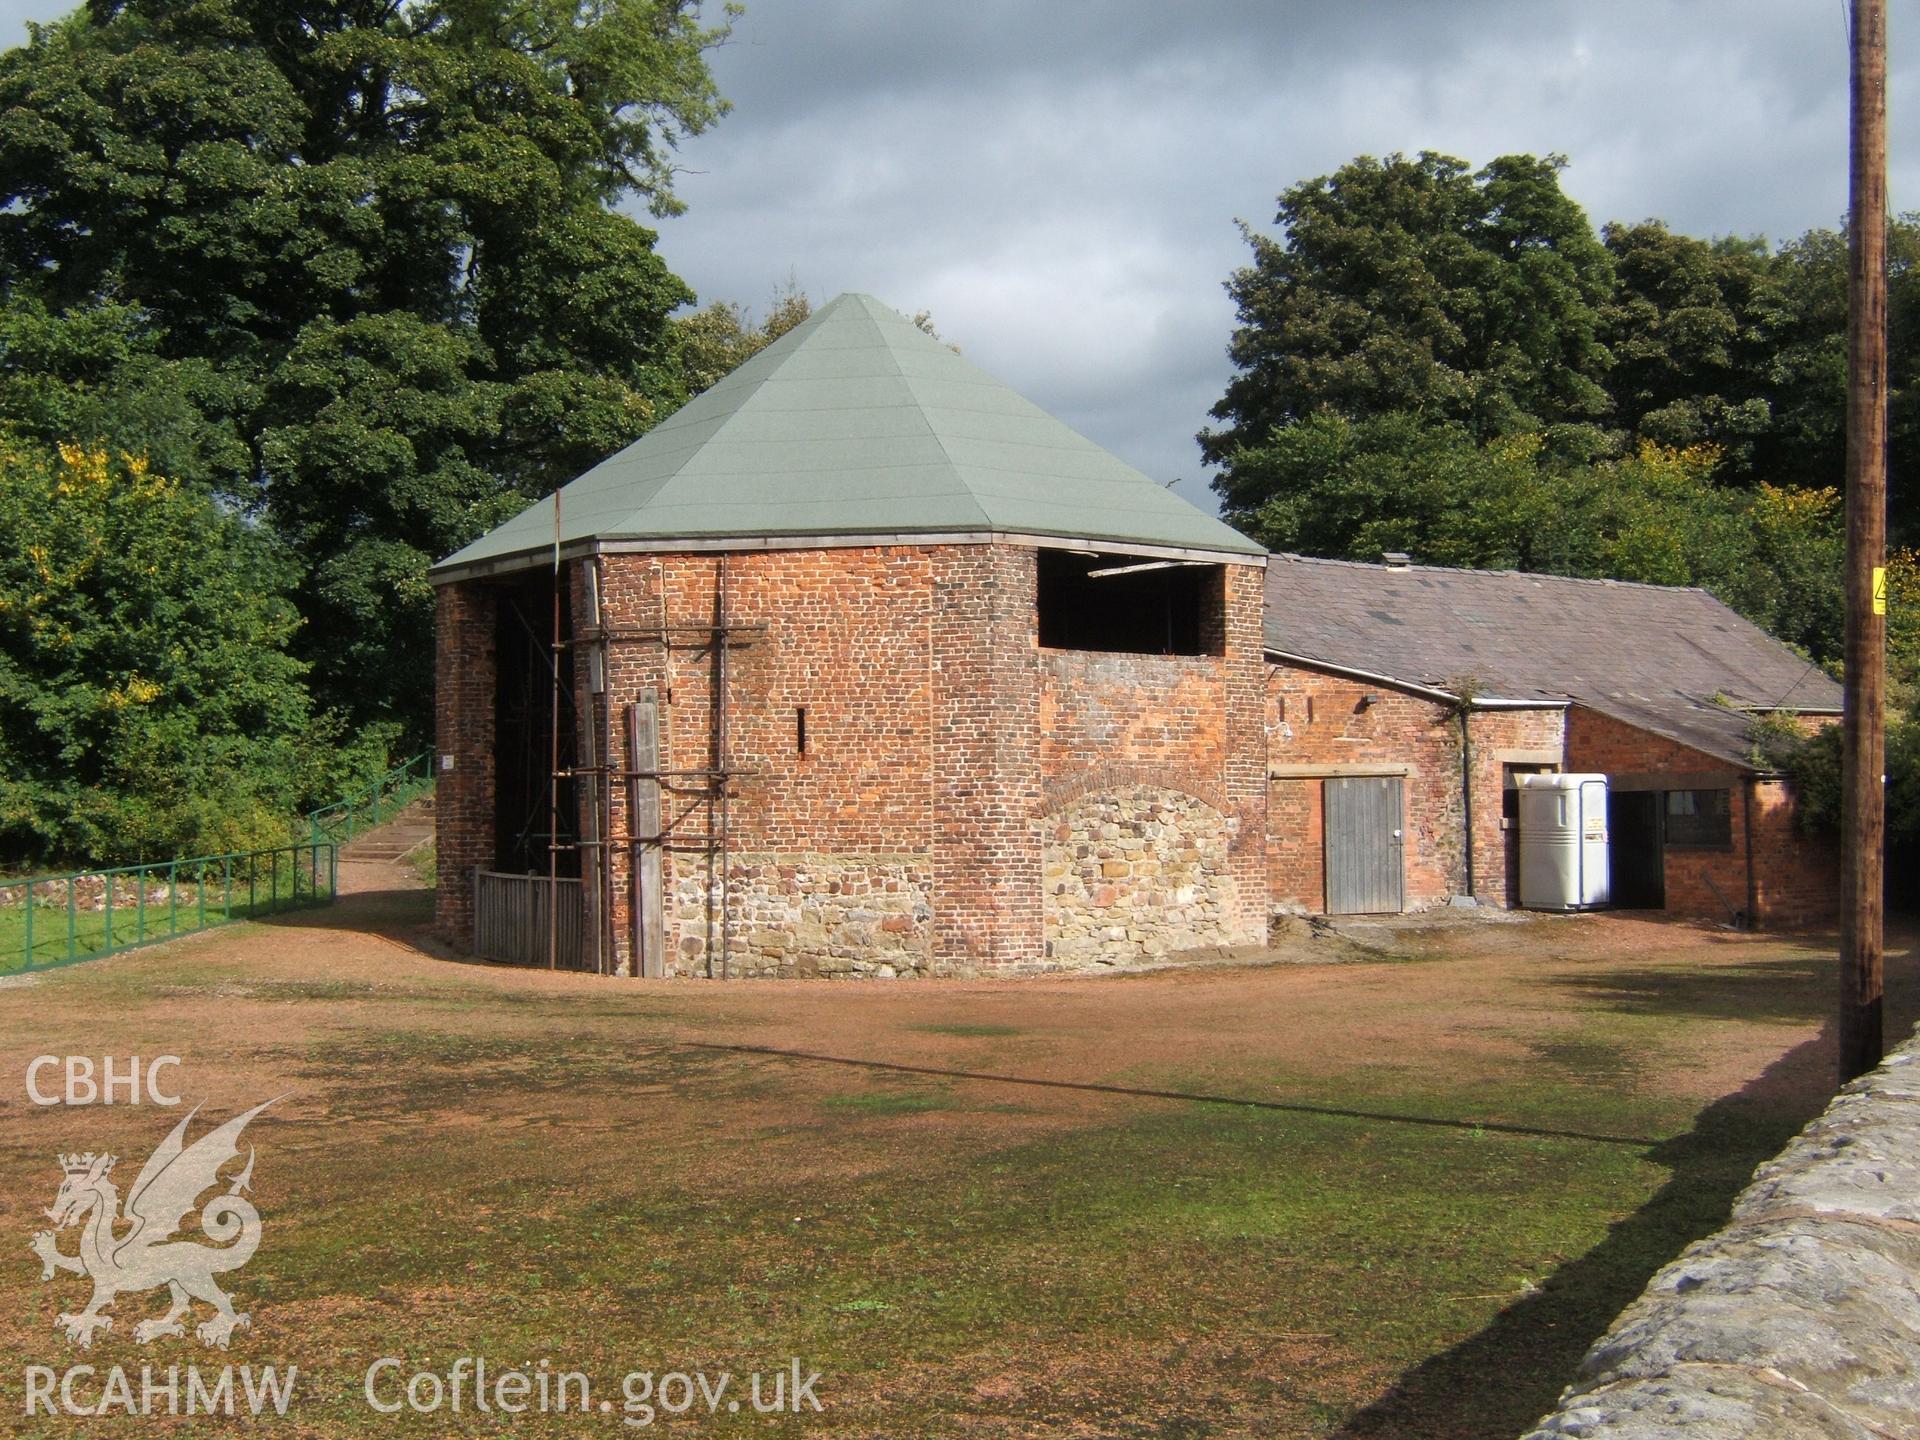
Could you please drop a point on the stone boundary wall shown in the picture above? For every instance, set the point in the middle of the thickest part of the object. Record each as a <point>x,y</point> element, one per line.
<point>1800,1320</point>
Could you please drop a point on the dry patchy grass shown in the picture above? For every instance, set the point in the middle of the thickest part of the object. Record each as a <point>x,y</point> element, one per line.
<point>1392,1197</point>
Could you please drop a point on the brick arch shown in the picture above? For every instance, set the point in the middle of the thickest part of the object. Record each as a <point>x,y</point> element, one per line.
<point>1061,793</point>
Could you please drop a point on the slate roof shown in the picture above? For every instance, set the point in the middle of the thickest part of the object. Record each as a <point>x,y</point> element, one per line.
<point>1654,656</point>
<point>857,422</point>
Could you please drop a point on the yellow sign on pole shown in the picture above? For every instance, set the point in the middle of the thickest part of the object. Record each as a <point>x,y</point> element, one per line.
<point>1879,589</point>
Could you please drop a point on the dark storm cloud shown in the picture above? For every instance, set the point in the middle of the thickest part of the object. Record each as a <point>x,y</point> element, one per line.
<point>1058,180</point>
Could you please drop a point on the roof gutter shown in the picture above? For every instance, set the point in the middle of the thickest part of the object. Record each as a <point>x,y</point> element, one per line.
<point>1411,687</point>
<point>542,554</point>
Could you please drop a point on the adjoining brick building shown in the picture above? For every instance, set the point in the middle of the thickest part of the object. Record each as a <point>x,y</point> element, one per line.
<point>1404,700</point>
<point>863,664</point>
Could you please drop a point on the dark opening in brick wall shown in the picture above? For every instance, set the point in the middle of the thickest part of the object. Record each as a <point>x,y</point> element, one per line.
<point>1129,605</point>
<point>523,728</point>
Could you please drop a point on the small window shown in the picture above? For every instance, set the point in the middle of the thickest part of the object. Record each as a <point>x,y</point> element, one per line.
<point>1131,605</point>
<point>1701,818</point>
<point>1510,789</point>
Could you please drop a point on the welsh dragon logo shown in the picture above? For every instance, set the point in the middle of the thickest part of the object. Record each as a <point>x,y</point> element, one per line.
<point>137,1251</point>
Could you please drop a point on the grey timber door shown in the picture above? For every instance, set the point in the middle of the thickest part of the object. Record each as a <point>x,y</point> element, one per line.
<point>1363,845</point>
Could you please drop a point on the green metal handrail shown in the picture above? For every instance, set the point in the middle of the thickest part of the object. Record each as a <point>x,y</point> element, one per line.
<point>383,799</point>
<point>39,930</point>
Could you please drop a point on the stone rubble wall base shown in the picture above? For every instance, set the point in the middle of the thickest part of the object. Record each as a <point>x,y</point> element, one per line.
<point>1135,873</point>
<point>812,914</point>
<point>1801,1318</point>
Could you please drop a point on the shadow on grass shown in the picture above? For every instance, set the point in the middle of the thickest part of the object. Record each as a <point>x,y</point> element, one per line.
<point>1501,1380</point>
<point>1096,1087</point>
<point>1795,989</point>
<point>364,911</point>
<point>1794,985</point>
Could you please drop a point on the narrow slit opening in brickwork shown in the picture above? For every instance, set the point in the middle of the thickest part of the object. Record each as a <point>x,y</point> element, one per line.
<point>1132,606</point>
<point>800,730</point>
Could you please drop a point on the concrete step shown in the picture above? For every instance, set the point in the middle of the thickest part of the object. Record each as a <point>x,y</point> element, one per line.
<point>388,842</point>
<point>375,853</point>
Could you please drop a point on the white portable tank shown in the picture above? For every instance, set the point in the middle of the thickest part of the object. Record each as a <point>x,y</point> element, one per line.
<point>1563,841</point>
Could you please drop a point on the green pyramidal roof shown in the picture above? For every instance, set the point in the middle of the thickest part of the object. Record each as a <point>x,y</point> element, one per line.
<point>856,423</point>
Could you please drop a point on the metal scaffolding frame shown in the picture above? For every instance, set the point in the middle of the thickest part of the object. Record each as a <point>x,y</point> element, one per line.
<point>708,788</point>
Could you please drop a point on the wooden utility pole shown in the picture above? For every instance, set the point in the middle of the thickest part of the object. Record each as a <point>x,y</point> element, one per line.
<point>1863,750</point>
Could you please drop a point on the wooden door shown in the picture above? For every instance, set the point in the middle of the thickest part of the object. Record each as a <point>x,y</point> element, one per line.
<point>1365,851</point>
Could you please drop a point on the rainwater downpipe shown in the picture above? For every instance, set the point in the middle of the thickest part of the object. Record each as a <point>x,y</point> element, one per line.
<point>1746,826</point>
<point>1466,791</point>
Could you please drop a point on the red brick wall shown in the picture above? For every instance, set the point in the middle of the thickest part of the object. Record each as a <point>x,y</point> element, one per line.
<point>845,634</point>
<point>1245,764</point>
<point>464,722</point>
<point>908,837</point>
<point>1500,738</point>
<point>1176,724</point>
<point>1794,878</point>
<point>984,775</point>
<point>1316,720</point>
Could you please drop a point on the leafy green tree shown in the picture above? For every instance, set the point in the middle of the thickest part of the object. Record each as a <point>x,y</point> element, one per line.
<point>352,263</point>
<point>1352,489</point>
<point>1790,579</point>
<point>148,705</point>
<point>1693,328</point>
<point>1450,363</point>
<point>1807,371</point>
<point>1813,762</point>
<point>1779,406</point>
<point>1421,287</point>
<point>718,339</point>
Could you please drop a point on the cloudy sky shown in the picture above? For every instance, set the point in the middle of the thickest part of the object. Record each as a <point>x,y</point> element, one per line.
<point>1058,180</point>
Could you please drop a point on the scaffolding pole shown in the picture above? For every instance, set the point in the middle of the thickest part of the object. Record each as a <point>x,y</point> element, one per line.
<point>610,954</point>
<point>721,760</point>
<point>596,638</point>
<point>553,755</point>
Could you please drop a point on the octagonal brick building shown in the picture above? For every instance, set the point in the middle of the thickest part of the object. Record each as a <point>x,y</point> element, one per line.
<point>864,665</point>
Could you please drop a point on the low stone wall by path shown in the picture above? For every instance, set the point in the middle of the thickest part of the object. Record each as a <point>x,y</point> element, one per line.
<point>1800,1320</point>
<point>89,892</point>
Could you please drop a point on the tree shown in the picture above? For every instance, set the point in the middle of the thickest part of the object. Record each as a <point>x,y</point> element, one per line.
<point>148,705</point>
<point>1693,328</point>
<point>354,264</point>
<point>1452,364</point>
<point>1351,489</point>
<point>1416,286</point>
<point>717,340</point>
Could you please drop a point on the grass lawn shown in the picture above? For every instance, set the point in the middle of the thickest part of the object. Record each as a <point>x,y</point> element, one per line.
<point>57,932</point>
<point>1397,1197</point>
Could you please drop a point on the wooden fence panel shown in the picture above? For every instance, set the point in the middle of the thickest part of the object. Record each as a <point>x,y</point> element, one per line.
<point>510,919</point>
